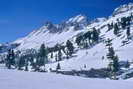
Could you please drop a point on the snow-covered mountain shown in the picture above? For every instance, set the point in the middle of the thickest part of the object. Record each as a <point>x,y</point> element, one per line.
<point>123,9</point>
<point>90,62</point>
<point>51,34</point>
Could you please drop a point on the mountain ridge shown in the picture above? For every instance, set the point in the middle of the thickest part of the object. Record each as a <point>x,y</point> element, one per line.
<point>51,34</point>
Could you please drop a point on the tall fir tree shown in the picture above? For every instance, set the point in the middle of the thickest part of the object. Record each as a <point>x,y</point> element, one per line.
<point>78,40</point>
<point>26,65</point>
<point>43,55</point>
<point>110,26</point>
<point>70,47</point>
<point>10,60</point>
<point>123,22</point>
<point>128,32</point>
<point>58,67</point>
<point>116,29</point>
<point>95,35</point>
<point>59,55</point>
<point>113,58</point>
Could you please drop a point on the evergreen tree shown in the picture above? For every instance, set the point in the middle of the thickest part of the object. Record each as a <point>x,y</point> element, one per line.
<point>26,65</point>
<point>123,22</point>
<point>108,42</point>
<point>51,55</point>
<point>58,67</point>
<point>95,35</point>
<point>128,32</point>
<point>116,64</point>
<point>111,53</point>
<point>21,63</point>
<point>56,57</point>
<point>110,26</point>
<point>78,40</point>
<point>10,60</point>
<point>43,53</point>
<point>12,57</point>
<point>113,58</point>
<point>59,55</point>
<point>67,54</point>
<point>70,47</point>
<point>131,16</point>
<point>116,29</point>
<point>128,21</point>
<point>85,44</point>
<point>127,64</point>
<point>87,36</point>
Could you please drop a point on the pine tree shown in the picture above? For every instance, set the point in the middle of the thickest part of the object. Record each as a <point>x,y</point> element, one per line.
<point>113,58</point>
<point>110,26</point>
<point>95,35</point>
<point>127,64</point>
<point>43,53</point>
<point>128,32</point>
<point>111,53</point>
<point>87,36</point>
<point>116,29</point>
<point>10,60</point>
<point>56,57</point>
<point>67,54</point>
<point>123,22</point>
<point>70,47</point>
<point>51,55</point>
<point>59,55</point>
<point>116,64</point>
<point>128,21</point>
<point>13,57</point>
<point>78,40</point>
<point>131,16</point>
<point>26,65</point>
<point>108,42</point>
<point>21,63</point>
<point>58,67</point>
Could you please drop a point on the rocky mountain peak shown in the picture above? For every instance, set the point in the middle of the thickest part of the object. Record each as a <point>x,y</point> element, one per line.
<point>123,8</point>
<point>81,19</point>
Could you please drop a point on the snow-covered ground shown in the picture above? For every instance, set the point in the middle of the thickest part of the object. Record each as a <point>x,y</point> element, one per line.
<point>12,79</point>
<point>92,58</point>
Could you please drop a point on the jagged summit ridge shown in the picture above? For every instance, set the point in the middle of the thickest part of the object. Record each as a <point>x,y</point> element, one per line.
<point>123,8</point>
<point>78,22</point>
<point>97,20</point>
<point>51,34</point>
<point>78,19</point>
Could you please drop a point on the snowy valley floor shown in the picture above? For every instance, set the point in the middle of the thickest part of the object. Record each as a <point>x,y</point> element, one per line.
<point>13,79</point>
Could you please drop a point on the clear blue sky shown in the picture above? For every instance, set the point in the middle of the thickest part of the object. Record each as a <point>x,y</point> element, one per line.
<point>19,17</point>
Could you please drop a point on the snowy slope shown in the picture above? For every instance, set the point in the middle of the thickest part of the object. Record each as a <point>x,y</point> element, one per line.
<point>92,57</point>
<point>49,39</point>
<point>65,31</point>
<point>10,79</point>
<point>68,29</point>
<point>123,8</point>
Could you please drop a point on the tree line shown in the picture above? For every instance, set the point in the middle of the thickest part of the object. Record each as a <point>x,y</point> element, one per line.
<point>38,58</point>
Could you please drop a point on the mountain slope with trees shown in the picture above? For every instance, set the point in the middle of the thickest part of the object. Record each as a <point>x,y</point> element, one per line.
<point>78,45</point>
